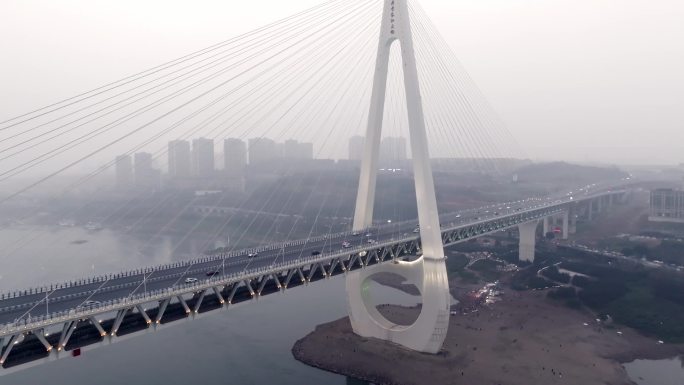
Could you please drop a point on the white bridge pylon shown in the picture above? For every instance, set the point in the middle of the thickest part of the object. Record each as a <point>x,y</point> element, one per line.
<point>428,273</point>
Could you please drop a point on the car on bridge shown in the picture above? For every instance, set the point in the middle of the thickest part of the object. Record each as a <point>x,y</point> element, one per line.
<point>315,252</point>
<point>191,280</point>
<point>211,273</point>
<point>346,244</point>
<point>90,303</point>
<point>252,255</point>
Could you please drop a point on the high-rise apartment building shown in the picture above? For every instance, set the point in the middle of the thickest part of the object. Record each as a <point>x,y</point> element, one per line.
<point>203,157</point>
<point>235,156</point>
<point>145,175</point>
<point>667,205</point>
<point>179,159</point>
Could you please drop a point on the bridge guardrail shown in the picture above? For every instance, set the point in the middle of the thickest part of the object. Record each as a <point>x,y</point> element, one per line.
<point>134,299</point>
<point>111,305</point>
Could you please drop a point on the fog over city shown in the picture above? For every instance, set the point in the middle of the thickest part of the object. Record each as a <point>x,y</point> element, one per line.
<point>342,192</point>
<point>596,76</point>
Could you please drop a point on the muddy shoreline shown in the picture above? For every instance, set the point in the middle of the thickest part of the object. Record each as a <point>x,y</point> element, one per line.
<point>524,339</point>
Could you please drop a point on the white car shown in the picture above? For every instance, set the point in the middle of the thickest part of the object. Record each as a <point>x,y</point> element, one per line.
<point>252,255</point>
<point>91,303</point>
<point>346,244</point>
<point>371,241</point>
<point>191,280</point>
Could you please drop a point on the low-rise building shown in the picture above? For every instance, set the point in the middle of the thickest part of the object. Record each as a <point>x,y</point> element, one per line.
<point>667,205</point>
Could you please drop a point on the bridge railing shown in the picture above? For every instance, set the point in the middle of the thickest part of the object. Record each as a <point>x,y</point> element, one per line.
<point>36,322</point>
<point>82,312</point>
<point>102,279</point>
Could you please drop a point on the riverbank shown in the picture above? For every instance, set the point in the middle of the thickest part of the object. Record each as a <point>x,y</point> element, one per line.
<point>523,339</point>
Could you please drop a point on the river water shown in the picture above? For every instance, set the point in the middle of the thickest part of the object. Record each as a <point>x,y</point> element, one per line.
<point>247,344</point>
<point>656,372</point>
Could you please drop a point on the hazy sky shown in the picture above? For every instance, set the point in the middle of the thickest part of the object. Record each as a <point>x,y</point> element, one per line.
<point>583,80</point>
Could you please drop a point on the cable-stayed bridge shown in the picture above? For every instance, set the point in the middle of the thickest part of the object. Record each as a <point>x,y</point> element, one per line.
<point>256,88</point>
<point>101,310</point>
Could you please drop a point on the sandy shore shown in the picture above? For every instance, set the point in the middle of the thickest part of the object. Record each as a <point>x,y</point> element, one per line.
<point>524,339</point>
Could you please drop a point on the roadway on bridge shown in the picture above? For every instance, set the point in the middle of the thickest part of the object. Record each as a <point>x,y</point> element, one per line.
<point>73,297</point>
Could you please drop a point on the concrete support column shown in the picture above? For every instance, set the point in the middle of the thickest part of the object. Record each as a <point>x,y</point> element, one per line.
<point>429,330</point>
<point>599,204</point>
<point>429,272</point>
<point>566,224</point>
<point>572,229</point>
<point>590,210</point>
<point>546,225</point>
<point>528,236</point>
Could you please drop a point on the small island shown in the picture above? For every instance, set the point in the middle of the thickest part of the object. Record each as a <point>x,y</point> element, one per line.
<point>533,326</point>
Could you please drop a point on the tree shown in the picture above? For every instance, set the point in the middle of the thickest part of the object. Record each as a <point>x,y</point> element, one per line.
<point>641,250</point>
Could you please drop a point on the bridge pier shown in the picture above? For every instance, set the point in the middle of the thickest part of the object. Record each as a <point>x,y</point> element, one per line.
<point>566,224</point>
<point>8,348</point>
<point>546,225</point>
<point>572,229</point>
<point>428,272</point>
<point>428,332</point>
<point>528,237</point>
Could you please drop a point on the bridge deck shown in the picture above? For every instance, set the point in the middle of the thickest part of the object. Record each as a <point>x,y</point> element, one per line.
<point>227,279</point>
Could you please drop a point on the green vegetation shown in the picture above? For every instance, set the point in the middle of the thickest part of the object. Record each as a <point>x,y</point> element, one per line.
<point>668,251</point>
<point>580,281</point>
<point>527,279</point>
<point>671,252</point>
<point>648,300</point>
<point>468,276</point>
<point>565,292</point>
<point>456,263</point>
<point>487,268</point>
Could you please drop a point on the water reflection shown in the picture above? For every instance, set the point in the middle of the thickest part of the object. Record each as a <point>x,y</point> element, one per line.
<point>656,372</point>
<point>248,344</point>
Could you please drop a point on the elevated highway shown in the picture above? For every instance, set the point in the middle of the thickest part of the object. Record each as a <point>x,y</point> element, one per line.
<point>53,321</point>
